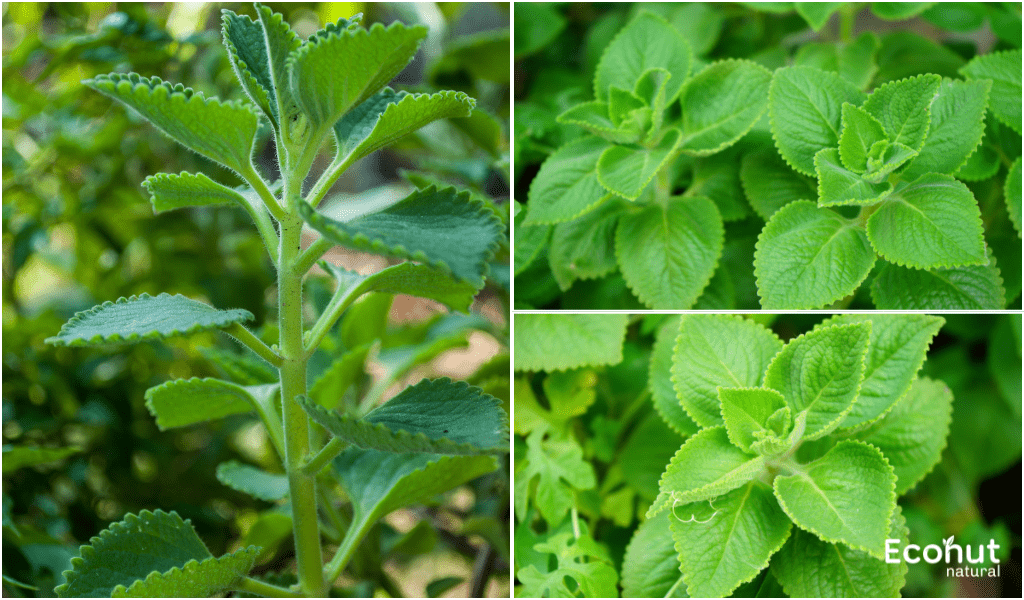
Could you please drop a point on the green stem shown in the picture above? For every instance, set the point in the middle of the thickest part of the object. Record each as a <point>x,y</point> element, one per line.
<point>847,17</point>
<point>260,187</point>
<point>342,299</point>
<point>325,455</point>
<point>262,588</point>
<point>243,335</point>
<point>672,590</point>
<point>322,185</point>
<point>311,254</point>
<point>357,531</point>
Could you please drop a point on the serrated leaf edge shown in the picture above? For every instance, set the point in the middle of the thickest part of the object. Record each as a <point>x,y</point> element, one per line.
<point>929,76</point>
<point>981,135</point>
<point>529,221</point>
<point>668,157</point>
<point>131,592</point>
<point>992,263</point>
<point>727,144</point>
<point>176,383</point>
<point>825,204</point>
<point>999,118</point>
<point>199,175</point>
<point>242,71</point>
<point>622,31</point>
<point>728,432</point>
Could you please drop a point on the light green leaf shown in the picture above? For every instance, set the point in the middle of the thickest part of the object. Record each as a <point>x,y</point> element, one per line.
<point>154,554</point>
<point>388,115</point>
<point>700,25</point>
<point>243,368</point>
<point>530,242</point>
<point>706,466</point>
<point>769,183</point>
<point>650,567</point>
<point>659,380</point>
<point>860,132</point>
<point>903,108</point>
<point>19,457</point>
<point>594,117</point>
<point>958,288</point>
<point>559,468</point>
<point>144,317</point>
<point>837,186</point>
<point>731,546</point>
<point>810,568</point>
<point>330,75</point>
<point>646,42</point>
<point>746,411</point>
<point>183,402</point>
<point>580,559</point>
<point>569,393</point>
<point>884,158</point>
<point>449,230</point>
<point>642,459</point>
<point>253,481</point>
<point>816,13</point>
<point>913,434</point>
<point>558,342</point>
<point>805,106</point>
<point>718,178</point>
<point>933,222</point>
<point>623,102</point>
<point>407,278</point>
<point>566,187</point>
<point>854,62</point>
<point>329,389</point>
<point>667,255</point>
<point>1004,69</point>
<point>957,124</point>
<point>281,41</point>
<point>651,89</point>
<point>247,51</point>
<point>718,350</point>
<point>1011,191</point>
<point>434,416</point>
<point>808,257</point>
<point>627,170</point>
<point>187,116</point>
<point>897,11</point>
<point>820,372</point>
<point>721,104</point>
<point>846,496</point>
<point>585,248</point>
<point>168,191</point>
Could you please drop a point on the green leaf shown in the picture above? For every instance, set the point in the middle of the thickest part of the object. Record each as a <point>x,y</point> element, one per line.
<point>1004,69</point>
<point>746,412</point>
<point>718,178</point>
<point>903,108</point>
<point>280,42</point>
<point>621,103</point>
<point>168,191</point>
<point>585,248</point>
<point>769,183</point>
<point>846,496</point>
<point>144,317</point>
<point>559,468</point>
<point>810,568</point>
<point>650,568</point>
<point>855,62</point>
<point>529,243</point>
<point>884,158</point>
<point>718,350</point>
<point>896,351</point>
<point>668,254</point>
<point>153,554</point>
<point>1011,191</point>
<point>731,546</point>
<point>808,257</point>
<point>581,560</point>
<point>706,466</point>
<point>627,170</point>
<point>659,379</point>
<point>646,42</point>
<point>407,278</point>
<point>816,13</point>
<point>247,52</point>
<point>435,416</point>
<point>913,434</point>
<point>820,372</point>
<point>805,106</point>
<point>389,115</point>
<point>958,288</point>
<point>643,457</point>
<point>721,104</point>
<point>594,117</point>
<point>243,368</point>
<point>957,125</point>
<point>566,187</point>
<point>19,457</point>
<point>860,132</point>
<point>445,229</point>
<point>699,24</point>
<point>933,222</point>
<point>837,186</point>
<point>331,74</point>
<point>183,402</point>
<point>253,481</point>
<point>346,370</point>
<point>187,116</point>
<point>537,25</point>
<point>897,11</point>
<point>558,342</point>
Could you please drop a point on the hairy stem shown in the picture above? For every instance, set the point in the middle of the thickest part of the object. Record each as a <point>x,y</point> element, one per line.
<point>310,255</point>
<point>355,534</point>
<point>326,454</point>
<point>243,335</point>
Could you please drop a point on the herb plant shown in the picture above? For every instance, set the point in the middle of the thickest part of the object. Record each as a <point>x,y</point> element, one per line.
<point>712,170</point>
<point>431,437</point>
<point>754,466</point>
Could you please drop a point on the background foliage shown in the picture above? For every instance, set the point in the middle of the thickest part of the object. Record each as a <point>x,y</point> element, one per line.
<point>77,230</point>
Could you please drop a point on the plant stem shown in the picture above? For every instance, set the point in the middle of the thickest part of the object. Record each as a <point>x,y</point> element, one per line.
<point>243,335</point>
<point>262,588</point>
<point>302,487</point>
<point>310,255</point>
<point>260,187</point>
<point>847,16</point>
<point>355,534</point>
<point>324,456</point>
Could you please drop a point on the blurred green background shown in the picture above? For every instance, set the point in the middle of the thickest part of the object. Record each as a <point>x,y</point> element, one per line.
<point>78,230</point>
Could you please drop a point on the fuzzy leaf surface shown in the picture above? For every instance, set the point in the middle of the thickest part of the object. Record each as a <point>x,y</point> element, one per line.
<point>144,317</point>
<point>566,186</point>
<point>281,41</point>
<point>933,222</point>
<point>769,183</point>
<point>721,104</point>
<point>1004,69</point>
<point>860,132</point>
<point>903,108</point>
<point>559,341</point>
<point>957,288</point>
<point>434,416</point>
<point>221,131</point>
<point>957,124</point>
<point>718,350</point>
<point>706,466</point>
<point>848,495</point>
<point>595,118</point>
<point>746,411</point>
<point>808,257</point>
<point>659,379</point>
<point>585,248</point>
<point>805,106</point>
<point>650,567</point>
<point>253,481</point>
<point>732,546</point>
<point>627,170</point>
<point>168,191</point>
<point>668,255</point>
<point>446,229</point>
<point>152,554</point>
<point>183,402</point>
<point>838,186</point>
<point>247,51</point>
<point>646,42</point>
